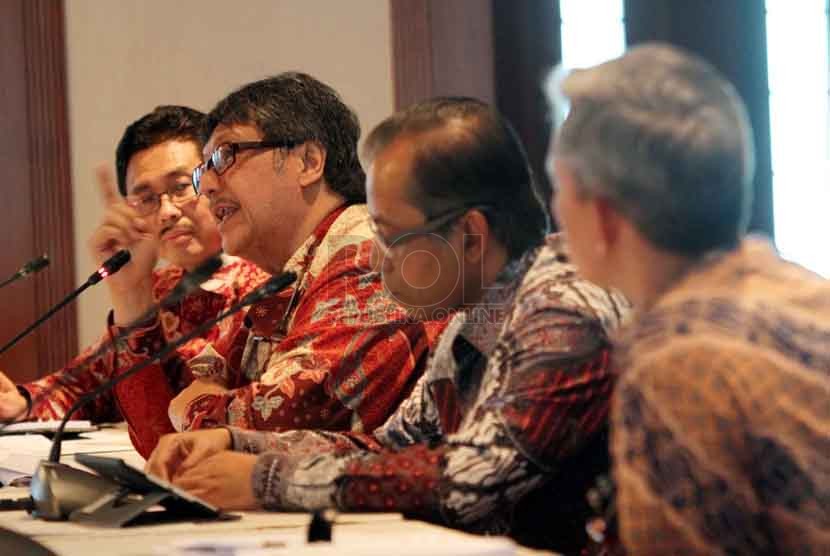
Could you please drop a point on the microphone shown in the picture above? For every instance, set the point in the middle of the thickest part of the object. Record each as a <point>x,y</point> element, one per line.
<point>110,266</point>
<point>187,284</point>
<point>58,489</point>
<point>32,267</point>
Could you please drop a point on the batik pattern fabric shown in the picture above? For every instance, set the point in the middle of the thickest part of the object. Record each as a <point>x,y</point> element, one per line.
<point>502,435</point>
<point>721,435</point>
<point>142,400</point>
<point>334,351</point>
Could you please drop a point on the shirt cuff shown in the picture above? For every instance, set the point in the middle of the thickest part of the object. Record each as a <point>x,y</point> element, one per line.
<point>265,480</point>
<point>28,395</point>
<point>243,440</point>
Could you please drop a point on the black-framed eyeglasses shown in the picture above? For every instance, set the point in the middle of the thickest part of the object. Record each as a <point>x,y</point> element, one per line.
<point>148,202</point>
<point>431,226</point>
<point>224,156</point>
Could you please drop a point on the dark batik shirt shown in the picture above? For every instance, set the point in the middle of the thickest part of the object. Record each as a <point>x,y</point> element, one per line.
<point>501,435</point>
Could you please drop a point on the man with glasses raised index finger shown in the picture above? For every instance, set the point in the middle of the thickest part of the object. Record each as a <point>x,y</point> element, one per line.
<point>283,180</point>
<point>155,214</point>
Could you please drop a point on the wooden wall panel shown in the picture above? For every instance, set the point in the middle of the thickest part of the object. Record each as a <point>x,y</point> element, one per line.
<point>35,177</point>
<point>441,47</point>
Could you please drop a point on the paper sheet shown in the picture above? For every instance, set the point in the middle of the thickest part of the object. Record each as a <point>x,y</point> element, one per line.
<point>47,427</point>
<point>20,454</point>
<point>346,541</point>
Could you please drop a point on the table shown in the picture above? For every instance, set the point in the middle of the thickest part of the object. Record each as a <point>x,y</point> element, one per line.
<point>352,533</point>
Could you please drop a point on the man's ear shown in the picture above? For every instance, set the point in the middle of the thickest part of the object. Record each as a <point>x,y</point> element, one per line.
<point>608,222</point>
<point>477,236</point>
<point>312,158</point>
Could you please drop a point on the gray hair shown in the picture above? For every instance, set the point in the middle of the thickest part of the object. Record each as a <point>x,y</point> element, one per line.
<point>666,140</point>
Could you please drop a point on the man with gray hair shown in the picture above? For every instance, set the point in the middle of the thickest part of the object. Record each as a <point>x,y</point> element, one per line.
<point>721,420</point>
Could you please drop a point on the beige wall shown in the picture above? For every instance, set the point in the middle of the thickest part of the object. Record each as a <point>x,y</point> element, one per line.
<point>126,56</point>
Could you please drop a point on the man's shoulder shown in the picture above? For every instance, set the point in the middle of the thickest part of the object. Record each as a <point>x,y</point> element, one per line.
<point>552,283</point>
<point>346,244</point>
<point>237,274</point>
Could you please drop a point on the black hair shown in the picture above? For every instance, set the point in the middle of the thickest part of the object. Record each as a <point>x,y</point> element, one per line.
<point>162,124</point>
<point>296,107</point>
<point>472,157</point>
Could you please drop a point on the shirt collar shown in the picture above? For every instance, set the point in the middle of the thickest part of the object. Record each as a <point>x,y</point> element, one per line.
<point>482,323</point>
<point>220,281</point>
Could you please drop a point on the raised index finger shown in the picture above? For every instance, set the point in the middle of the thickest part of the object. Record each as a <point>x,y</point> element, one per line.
<point>106,185</point>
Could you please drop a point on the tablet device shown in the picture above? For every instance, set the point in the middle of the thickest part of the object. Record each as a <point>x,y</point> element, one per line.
<point>138,482</point>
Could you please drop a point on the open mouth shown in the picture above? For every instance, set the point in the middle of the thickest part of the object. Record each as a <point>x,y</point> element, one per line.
<point>223,212</point>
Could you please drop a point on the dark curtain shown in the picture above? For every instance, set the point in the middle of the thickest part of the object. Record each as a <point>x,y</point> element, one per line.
<point>526,46</point>
<point>730,34</point>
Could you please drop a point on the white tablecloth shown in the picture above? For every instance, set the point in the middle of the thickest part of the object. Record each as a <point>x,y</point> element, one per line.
<point>366,534</point>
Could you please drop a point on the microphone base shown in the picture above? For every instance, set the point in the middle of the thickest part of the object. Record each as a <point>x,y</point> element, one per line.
<point>58,490</point>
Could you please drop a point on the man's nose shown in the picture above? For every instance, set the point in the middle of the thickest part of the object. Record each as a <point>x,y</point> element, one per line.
<point>209,184</point>
<point>168,210</point>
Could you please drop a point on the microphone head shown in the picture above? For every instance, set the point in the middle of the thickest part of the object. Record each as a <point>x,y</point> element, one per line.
<point>110,266</point>
<point>273,285</point>
<point>193,280</point>
<point>35,265</point>
<point>114,263</point>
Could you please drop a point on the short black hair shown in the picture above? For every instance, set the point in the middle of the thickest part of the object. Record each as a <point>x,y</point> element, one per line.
<point>296,107</point>
<point>472,156</point>
<point>162,124</point>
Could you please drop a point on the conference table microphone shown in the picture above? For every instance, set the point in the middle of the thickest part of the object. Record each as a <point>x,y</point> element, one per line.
<point>188,283</point>
<point>32,267</point>
<point>109,267</point>
<point>57,489</point>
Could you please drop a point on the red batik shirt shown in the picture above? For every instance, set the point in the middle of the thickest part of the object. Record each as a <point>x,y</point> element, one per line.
<point>143,399</point>
<point>503,434</point>
<point>332,352</point>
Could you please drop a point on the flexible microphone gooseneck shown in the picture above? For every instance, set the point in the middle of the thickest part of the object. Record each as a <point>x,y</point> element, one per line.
<point>32,267</point>
<point>269,288</point>
<point>109,267</point>
<point>187,284</point>
<point>58,489</point>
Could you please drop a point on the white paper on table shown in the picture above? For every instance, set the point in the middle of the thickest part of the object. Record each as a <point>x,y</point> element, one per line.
<point>20,455</point>
<point>347,541</point>
<point>96,442</point>
<point>27,427</point>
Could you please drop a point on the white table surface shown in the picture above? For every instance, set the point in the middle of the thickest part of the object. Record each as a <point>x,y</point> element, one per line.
<point>352,533</point>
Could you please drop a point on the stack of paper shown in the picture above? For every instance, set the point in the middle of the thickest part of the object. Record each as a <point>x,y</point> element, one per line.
<point>348,541</point>
<point>45,427</point>
<point>20,454</point>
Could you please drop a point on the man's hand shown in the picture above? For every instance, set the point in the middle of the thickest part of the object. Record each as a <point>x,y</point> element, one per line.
<point>179,452</point>
<point>199,387</point>
<point>122,228</point>
<point>223,479</point>
<point>12,403</point>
